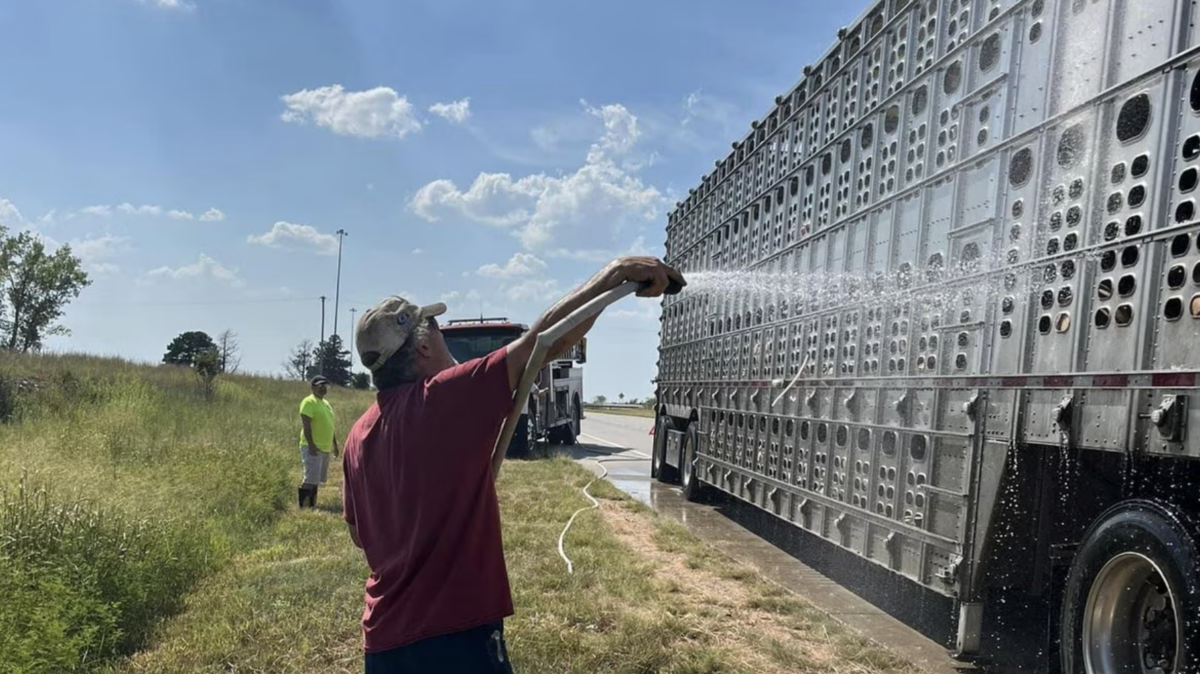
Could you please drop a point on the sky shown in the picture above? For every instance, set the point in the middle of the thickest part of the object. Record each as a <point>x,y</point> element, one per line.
<point>200,155</point>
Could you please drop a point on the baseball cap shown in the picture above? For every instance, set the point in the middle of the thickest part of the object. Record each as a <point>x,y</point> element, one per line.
<point>385,327</point>
<point>318,380</point>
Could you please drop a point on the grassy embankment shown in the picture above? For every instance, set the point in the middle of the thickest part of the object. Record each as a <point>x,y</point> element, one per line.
<point>623,411</point>
<point>161,505</point>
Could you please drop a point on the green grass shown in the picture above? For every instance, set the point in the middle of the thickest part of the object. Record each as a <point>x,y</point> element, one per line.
<point>621,411</point>
<point>121,488</point>
<point>144,530</point>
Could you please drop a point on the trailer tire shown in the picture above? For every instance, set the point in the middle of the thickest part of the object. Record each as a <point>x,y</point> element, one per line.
<point>1131,595</point>
<point>693,488</point>
<point>658,466</point>
<point>519,445</point>
<point>578,411</point>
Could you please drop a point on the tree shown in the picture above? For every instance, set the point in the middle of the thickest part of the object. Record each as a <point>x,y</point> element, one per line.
<point>37,286</point>
<point>599,400</point>
<point>621,396</point>
<point>208,365</point>
<point>187,346</point>
<point>360,380</point>
<point>229,352</point>
<point>300,360</point>
<point>332,361</point>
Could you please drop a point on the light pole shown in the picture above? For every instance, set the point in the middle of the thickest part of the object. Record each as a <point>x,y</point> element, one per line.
<point>323,318</point>
<point>338,289</point>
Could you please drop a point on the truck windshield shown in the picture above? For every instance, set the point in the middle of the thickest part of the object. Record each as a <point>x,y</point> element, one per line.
<point>470,343</point>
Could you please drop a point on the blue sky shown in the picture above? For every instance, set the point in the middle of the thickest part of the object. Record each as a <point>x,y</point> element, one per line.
<point>199,154</point>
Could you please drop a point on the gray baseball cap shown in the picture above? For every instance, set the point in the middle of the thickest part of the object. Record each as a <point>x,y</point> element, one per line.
<point>385,327</point>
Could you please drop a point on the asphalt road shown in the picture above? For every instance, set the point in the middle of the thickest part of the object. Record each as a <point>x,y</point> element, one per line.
<point>622,444</point>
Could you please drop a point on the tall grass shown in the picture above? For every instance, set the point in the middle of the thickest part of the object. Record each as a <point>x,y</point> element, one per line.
<point>121,487</point>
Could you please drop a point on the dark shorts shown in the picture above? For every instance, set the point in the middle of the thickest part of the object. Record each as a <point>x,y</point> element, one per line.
<point>480,650</point>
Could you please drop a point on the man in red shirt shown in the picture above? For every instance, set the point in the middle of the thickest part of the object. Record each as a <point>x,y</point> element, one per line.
<point>419,494</point>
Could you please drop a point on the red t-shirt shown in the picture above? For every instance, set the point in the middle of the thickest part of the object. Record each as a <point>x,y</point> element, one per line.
<point>419,489</point>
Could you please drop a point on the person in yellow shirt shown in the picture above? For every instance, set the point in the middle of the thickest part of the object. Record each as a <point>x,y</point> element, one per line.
<point>316,440</point>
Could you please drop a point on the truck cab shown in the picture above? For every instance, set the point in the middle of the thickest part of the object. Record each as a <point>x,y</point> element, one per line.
<point>554,408</point>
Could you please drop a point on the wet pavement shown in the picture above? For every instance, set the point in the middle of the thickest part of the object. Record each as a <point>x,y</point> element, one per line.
<point>622,444</point>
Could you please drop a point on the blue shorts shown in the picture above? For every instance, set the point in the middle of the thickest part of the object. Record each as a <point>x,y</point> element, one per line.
<point>479,650</point>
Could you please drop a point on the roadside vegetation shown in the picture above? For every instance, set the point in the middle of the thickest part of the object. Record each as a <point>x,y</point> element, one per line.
<point>146,527</point>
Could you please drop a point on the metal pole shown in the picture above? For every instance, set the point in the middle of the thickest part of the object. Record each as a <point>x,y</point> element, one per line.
<point>322,318</point>
<point>338,289</point>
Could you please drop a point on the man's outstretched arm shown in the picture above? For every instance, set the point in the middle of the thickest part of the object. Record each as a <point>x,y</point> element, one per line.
<point>648,270</point>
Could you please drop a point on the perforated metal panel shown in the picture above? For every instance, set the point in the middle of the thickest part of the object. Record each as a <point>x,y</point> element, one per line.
<point>970,220</point>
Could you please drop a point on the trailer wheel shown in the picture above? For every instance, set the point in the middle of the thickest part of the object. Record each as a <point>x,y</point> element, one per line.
<point>1132,603</point>
<point>693,488</point>
<point>578,418</point>
<point>658,467</point>
<point>518,446</point>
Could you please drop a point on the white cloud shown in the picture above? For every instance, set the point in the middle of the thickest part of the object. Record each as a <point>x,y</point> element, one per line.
<point>521,264</point>
<point>169,4</point>
<point>457,112</point>
<point>212,215</point>
<point>288,234</point>
<point>534,290</point>
<point>597,199</point>
<point>147,210</point>
<point>9,215</point>
<point>94,252</point>
<point>373,113</point>
<point>418,251</point>
<point>205,266</point>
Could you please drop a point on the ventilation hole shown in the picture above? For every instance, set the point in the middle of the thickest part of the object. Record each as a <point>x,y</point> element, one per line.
<point>917,447</point>
<point>989,54</point>
<point>1196,93</point>
<point>963,339</point>
<point>842,436</point>
<point>1191,148</point>
<point>1124,315</point>
<point>889,445</point>
<point>1116,201</point>
<point>1118,173</point>
<point>1068,268</point>
<point>1173,310</point>
<point>1074,216</point>
<point>1050,273</point>
<point>920,100</point>
<point>1180,245</point>
<point>868,136</point>
<point>1185,211</point>
<point>1006,329</point>
<point>1071,146</point>
<point>1104,291</point>
<point>1137,196</point>
<point>1037,7</point>
<point>1065,296</point>
<point>804,430</point>
<point>1052,247</point>
<point>1133,225</point>
<point>1063,322</point>
<point>1129,257</point>
<point>1176,277</point>
<point>1133,118</point>
<point>1103,317</point>
<point>953,77</point>
<point>1076,188</point>
<point>1127,285</point>
<point>1056,220</point>
<point>1008,303</point>
<point>1014,232</point>
<point>1059,195</point>
<point>1195,306</point>
<point>1022,164</point>
<point>1141,165</point>
<point>826,164</point>
<point>864,440</point>
<point>1111,231</point>
<point>1044,325</point>
<point>1047,299</point>
<point>1035,32</point>
<point>1018,208</point>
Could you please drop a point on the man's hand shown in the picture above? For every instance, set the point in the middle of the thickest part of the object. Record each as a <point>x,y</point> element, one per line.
<point>642,269</point>
<point>335,448</point>
<point>312,451</point>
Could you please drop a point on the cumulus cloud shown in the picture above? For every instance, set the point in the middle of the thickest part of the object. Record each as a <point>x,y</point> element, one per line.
<point>521,264</point>
<point>9,215</point>
<point>96,251</point>
<point>204,267</point>
<point>598,198</point>
<point>296,236</point>
<point>457,112</point>
<point>145,210</point>
<point>169,4</point>
<point>374,113</point>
